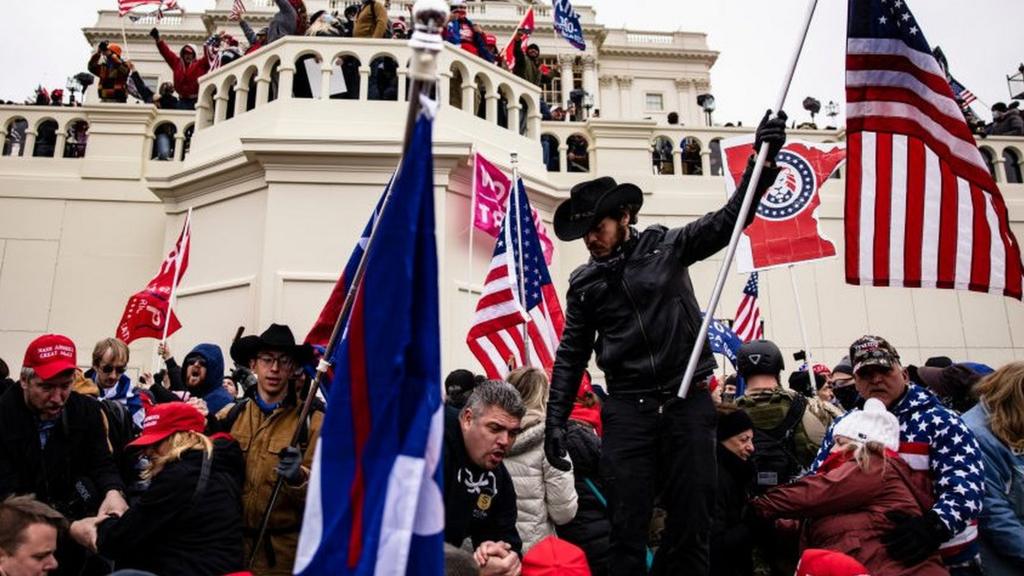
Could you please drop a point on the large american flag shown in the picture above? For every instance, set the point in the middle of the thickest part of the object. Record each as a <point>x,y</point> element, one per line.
<point>496,337</point>
<point>922,209</point>
<point>126,6</point>
<point>747,324</point>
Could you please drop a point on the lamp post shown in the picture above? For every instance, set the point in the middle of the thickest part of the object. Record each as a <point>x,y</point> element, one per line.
<point>831,110</point>
<point>707,102</point>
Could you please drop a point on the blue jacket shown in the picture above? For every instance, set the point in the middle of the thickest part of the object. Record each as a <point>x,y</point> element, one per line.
<point>933,438</point>
<point>1001,524</point>
<point>212,389</point>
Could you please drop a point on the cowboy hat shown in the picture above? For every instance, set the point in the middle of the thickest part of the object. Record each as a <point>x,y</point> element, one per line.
<point>591,201</point>
<point>277,337</point>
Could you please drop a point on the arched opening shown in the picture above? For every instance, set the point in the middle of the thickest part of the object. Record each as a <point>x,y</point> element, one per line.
<point>483,88</point>
<point>715,161</point>
<point>14,137</point>
<point>990,160</point>
<point>345,78</point>
<point>383,79</point>
<point>577,156</point>
<point>661,155</point>
<point>230,112</point>
<point>549,145</point>
<point>307,77</point>
<point>1011,164</point>
<point>504,97</point>
<point>249,79</point>
<point>76,139</point>
<point>525,109</point>
<point>691,156</point>
<point>275,81</point>
<point>163,142</point>
<point>46,139</point>
<point>187,144</point>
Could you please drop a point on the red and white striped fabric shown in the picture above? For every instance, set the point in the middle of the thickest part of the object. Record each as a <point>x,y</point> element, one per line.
<point>237,9</point>
<point>126,6</point>
<point>922,209</point>
<point>747,324</point>
<point>496,337</point>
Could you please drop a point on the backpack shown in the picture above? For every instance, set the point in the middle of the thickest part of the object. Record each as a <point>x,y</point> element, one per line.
<point>775,451</point>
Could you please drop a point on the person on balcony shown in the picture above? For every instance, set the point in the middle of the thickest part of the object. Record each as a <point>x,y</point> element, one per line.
<point>323,23</point>
<point>256,39</point>
<point>461,31</point>
<point>527,65</point>
<point>112,72</point>
<point>186,67</point>
<point>371,20</point>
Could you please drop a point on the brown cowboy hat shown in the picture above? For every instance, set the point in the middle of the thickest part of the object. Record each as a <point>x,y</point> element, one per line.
<point>277,337</point>
<point>591,201</point>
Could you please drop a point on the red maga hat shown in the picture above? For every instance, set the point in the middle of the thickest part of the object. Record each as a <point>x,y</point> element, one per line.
<point>49,355</point>
<point>163,420</point>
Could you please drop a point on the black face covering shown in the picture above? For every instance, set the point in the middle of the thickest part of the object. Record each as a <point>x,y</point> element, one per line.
<point>847,396</point>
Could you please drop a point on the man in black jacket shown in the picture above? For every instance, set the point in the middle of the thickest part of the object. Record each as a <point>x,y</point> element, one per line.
<point>633,304</point>
<point>54,444</point>
<point>479,497</point>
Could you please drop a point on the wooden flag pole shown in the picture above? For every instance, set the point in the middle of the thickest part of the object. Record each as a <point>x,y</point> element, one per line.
<point>748,199</point>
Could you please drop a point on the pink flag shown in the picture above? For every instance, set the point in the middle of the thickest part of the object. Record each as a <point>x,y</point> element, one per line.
<point>490,194</point>
<point>785,229</point>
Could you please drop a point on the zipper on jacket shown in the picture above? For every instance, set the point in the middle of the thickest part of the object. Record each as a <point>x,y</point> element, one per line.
<point>643,332</point>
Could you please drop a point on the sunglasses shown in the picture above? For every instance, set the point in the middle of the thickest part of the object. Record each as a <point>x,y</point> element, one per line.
<point>108,368</point>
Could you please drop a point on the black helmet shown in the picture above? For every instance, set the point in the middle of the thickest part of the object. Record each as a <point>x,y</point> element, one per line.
<point>759,357</point>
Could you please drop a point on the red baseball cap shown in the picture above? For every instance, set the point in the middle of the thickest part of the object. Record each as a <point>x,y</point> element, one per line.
<point>817,562</point>
<point>163,420</point>
<point>49,355</point>
<point>555,557</point>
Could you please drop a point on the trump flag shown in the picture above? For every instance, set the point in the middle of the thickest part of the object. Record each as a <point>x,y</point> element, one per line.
<point>490,195</point>
<point>785,229</point>
<point>374,503</point>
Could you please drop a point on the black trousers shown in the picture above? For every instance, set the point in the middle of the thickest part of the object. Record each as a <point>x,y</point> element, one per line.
<point>660,446</point>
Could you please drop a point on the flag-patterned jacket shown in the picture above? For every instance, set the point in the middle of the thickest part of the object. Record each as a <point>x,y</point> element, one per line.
<point>935,439</point>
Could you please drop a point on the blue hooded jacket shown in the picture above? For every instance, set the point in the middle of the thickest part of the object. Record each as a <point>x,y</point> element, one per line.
<point>211,390</point>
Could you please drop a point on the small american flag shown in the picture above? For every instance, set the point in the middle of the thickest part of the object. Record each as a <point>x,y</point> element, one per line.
<point>963,95</point>
<point>922,209</point>
<point>237,9</point>
<point>126,6</point>
<point>496,337</point>
<point>748,324</point>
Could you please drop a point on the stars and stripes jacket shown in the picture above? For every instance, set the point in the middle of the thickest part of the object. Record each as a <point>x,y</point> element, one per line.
<point>934,440</point>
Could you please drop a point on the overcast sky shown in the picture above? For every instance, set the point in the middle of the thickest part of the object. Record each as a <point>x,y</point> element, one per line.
<point>43,44</point>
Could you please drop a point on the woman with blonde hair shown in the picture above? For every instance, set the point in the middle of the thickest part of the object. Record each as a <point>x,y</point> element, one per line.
<point>997,421</point>
<point>189,520</point>
<point>859,493</point>
<point>545,496</point>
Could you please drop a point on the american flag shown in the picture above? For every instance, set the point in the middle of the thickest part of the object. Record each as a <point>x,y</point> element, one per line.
<point>126,6</point>
<point>963,95</point>
<point>496,337</point>
<point>748,314</point>
<point>237,9</point>
<point>922,209</point>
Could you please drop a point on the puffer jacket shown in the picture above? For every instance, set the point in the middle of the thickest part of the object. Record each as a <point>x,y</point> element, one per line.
<point>546,496</point>
<point>637,308</point>
<point>844,508</point>
<point>1011,123</point>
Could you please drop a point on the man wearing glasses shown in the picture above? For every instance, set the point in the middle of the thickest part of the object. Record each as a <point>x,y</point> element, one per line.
<point>263,423</point>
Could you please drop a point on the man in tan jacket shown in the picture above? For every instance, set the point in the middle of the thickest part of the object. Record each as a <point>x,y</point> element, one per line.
<point>372,20</point>
<point>263,424</point>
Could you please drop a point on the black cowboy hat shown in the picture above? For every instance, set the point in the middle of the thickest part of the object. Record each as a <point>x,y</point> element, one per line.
<point>277,337</point>
<point>591,201</point>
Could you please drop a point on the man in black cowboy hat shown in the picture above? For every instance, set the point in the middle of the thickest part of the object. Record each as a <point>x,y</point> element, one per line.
<point>633,303</point>
<point>263,423</point>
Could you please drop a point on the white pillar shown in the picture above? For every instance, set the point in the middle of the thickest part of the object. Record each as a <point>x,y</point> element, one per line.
<point>402,75</point>
<point>325,82</point>
<point>705,162</point>
<point>563,157</point>
<point>566,62</point>
<point>241,99</point>
<point>513,117</point>
<point>443,95</point>
<point>262,91</point>
<point>677,161</point>
<point>58,148</point>
<point>605,84</point>
<point>179,147</point>
<point>220,108</point>
<point>468,97</point>
<point>590,79</point>
<point>491,108</point>
<point>533,125</point>
<point>625,97</point>
<point>998,163</point>
<point>364,82</point>
<point>285,80</point>
<point>683,105</point>
<point>30,143</point>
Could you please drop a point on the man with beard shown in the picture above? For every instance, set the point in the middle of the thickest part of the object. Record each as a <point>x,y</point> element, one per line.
<point>480,499</point>
<point>633,303</point>
<point>203,376</point>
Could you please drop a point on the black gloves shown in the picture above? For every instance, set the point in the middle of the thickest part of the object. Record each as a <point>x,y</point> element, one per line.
<point>155,34</point>
<point>102,47</point>
<point>290,466</point>
<point>914,538</point>
<point>554,448</point>
<point>771,131</point>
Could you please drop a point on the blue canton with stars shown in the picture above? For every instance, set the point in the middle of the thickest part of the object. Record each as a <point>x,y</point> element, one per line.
<point>954,458</point>
<point>885,19</point>
<point>751,288</point>
<point>533,255</point>
<point>790,194</point>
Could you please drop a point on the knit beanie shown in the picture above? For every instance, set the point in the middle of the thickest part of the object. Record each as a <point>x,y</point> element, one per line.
<point>873,423</point>
<point>844,367</point>
<point>733,423</point>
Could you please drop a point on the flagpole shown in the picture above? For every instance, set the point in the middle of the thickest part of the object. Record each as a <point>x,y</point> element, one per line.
<point>124,40</point>
<point>174,284</point>
<point>428,18</point>
<point>522,271</point>
<point>803,328</point>
<point>472,219</point>
<point>748,199</point>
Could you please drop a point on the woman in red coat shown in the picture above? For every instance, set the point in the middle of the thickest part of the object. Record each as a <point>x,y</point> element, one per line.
<point>850,503</point>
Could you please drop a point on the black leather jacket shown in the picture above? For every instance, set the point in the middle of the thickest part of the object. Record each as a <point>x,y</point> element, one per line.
<point>636,309</point>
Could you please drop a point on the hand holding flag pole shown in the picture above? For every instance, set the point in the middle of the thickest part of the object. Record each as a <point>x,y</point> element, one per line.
<point>428,18</point>
<point>748,199</point>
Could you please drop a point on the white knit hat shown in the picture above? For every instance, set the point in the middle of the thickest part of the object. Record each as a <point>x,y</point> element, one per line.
<point>872,424</point>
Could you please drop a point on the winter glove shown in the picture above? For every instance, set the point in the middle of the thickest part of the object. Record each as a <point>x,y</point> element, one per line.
<point>290,466</point>
<point>771,131</point>
<point>155,34</point>
<point>103,46</point>
<point>554,448</point>
<point>914,538</point>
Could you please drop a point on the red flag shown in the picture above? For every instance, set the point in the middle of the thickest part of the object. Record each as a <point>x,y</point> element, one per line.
<point>490,194</point>
<point>147,311</point>
<point>785,229</point>
<point>526,25</point>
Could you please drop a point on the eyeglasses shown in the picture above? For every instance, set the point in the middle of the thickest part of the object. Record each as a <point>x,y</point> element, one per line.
<point>108,368</point>
<point>269,360</point>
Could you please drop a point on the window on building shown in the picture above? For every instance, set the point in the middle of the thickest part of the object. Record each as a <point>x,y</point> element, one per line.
<point>551,84</point>
<point>654,102</point>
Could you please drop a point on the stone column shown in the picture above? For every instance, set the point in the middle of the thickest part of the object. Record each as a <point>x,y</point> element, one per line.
<point>513,117</point>
<point>533,125</point>
<point>220,108</point>
<point>566,61</point>
<point>325,82</point>
<point>262,91</point>
<point>30,143</point>
<point>468,97</point>
<point>179,147</point>
<point>705,161</point>
<point>241,98</point>
<point>204,114</point>
<point>364,82</point>
<point>999,166</point>
<point>443,88</point>
<point>58,148</point>
<point>491,108</point>
<point>563,157</point>
<point>677,161</point>
<point>402,96</point>
<point>683,104</point>
<point>625,97</point>
<point>285,79</point>
<point>605,83</point>
<point>590,79</point>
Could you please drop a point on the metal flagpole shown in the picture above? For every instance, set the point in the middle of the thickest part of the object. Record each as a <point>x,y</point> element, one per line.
<point>472,220</point>
<point>522,271</point>
<point>428,18</point>
<point>803,329</point>
<point>124,40</point>
<point>748,199</point>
